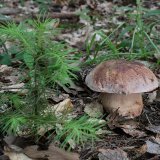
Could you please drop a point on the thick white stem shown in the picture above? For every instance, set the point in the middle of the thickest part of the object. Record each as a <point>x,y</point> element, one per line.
<point>129,106</point>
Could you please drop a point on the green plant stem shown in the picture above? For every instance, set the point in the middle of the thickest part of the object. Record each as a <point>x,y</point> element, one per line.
<point>36,90</point>
<point>140,27</point>
<point>133,38</point>
<point>152,42</point>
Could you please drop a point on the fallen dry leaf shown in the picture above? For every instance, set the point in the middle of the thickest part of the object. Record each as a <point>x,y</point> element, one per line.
<point>134,132</point>
<point>14,153</point>
<point>5,70</point>
<point>112,154</point>
<point>141,150</point>
<point>74,86</point>
<point>153,147</point>
<point>63,107</point>
<point>53,153</point>
<point>10,79</point>
<point>157,138</point>
<point>131,127</point>
<point>152,96</point>
<point>106,7</point>
<point>58,110</point>
<point>153,128</point>
<point>9,11</point>
<point>94,109</point>
<point>77,38</point>
<point>9,76</point>
<point>17,156</point>
<point>19,141</point>
<point>13,88</point>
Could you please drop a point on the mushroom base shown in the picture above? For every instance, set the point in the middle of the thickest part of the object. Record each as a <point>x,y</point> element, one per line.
<point>129,106</point>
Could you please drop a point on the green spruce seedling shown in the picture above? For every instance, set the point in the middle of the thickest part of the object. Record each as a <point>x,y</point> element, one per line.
<point>46,63</point>
<point>78,131</point>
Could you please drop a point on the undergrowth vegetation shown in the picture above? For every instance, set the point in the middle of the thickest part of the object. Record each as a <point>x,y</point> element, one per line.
<point>135,38</point>
<point>46,63</point>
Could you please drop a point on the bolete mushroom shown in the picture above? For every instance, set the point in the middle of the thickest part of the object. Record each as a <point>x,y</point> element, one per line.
<point>121,84</point>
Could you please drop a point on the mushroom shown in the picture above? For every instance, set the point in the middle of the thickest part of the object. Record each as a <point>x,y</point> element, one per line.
<point>121,83</point>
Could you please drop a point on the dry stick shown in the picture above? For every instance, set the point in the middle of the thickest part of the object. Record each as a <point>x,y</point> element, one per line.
<point>67,15</point>
<point>148,119</point>
<point>9,11</point>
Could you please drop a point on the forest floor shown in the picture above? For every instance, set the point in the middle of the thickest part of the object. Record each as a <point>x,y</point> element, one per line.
<point>120,139</point>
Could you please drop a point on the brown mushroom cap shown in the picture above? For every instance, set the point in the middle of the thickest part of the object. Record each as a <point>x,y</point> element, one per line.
<point>121,77</point>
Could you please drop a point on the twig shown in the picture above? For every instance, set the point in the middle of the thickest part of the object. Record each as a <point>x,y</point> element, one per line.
<point>148,119</point>
<point>9,11</point>
<point>67,15</point>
